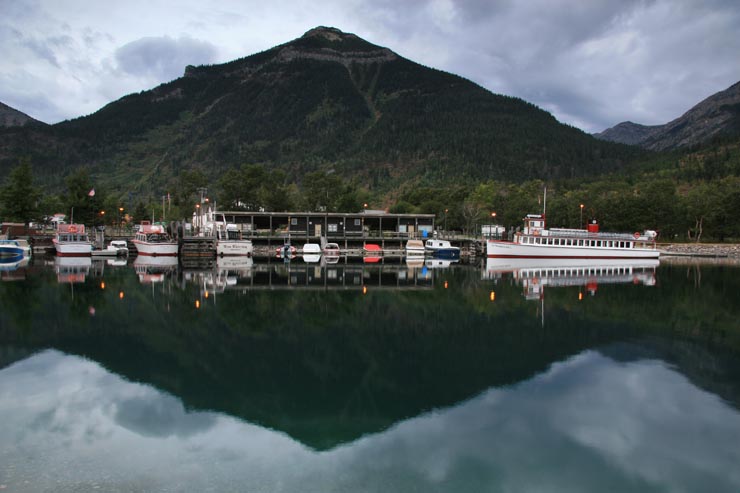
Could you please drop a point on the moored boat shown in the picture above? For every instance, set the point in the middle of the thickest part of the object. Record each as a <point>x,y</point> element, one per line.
<point>331,250</point>
<point>311,249</point>
<point>14,248</point>
<point>372,249</point>
<point>153,240</point>
<point>229,241</point>
<point>442,249</point>
<point>116,248</point>
<point>536,241</point>
<point>415,247</point>
<point>71,240</point>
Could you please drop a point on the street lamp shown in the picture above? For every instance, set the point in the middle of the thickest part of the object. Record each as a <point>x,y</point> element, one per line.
<point>446,211</point>
<point>120,211</point>
<point>495,229</point>
<point>581,216</point>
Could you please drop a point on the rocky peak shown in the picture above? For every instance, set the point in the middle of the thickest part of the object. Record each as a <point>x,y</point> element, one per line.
<point>717,114</point>
<point>329,33</point>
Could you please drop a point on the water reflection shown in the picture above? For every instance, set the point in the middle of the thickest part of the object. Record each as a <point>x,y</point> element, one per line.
<point>534,275</point>
<point>588,423</point>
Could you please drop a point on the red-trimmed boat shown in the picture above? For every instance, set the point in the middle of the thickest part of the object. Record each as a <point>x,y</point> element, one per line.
<point>153,240</point>
<point>536,241</point>
<point>72,240</point>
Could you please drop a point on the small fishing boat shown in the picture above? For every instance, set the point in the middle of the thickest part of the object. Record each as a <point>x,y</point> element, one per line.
<point>285,251</point>
<point>311,249</point>
<point>442,249</point>
<point>372,250</point>
<point>153,240</point>
<point>116,248</point>
<point>331,250</point>
<point>415,247</point>
<point>71,240</point>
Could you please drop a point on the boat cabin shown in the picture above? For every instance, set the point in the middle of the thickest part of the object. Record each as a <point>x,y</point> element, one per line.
<point>534,224</point>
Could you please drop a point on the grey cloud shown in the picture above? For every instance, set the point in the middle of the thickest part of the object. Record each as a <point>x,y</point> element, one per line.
<point>163,57</point>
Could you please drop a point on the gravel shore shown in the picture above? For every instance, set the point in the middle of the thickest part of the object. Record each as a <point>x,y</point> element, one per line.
<point>701,249</point>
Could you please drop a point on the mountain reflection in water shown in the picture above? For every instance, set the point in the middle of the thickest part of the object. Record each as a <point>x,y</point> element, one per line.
<point>368,377</point>
<point>68,423</point>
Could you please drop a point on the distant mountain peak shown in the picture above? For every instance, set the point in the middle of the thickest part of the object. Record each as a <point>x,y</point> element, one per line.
<point>330,33</point>
<point>718,114</point>
<point>10,117</point>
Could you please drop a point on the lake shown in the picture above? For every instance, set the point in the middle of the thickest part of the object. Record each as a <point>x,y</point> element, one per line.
<point>244,375</point>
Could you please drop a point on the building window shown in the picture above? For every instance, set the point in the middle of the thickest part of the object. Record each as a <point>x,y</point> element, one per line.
<point>332,228</point>
<point>294,221</point>
<point>357,222</point>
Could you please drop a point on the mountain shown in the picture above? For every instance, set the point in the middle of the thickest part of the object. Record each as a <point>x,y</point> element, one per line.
<point>10,117</point>
<point>328,100</point>
<point>717,115</point>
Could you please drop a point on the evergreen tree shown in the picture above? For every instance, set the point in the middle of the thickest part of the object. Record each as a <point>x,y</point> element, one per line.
<point>19,197</point>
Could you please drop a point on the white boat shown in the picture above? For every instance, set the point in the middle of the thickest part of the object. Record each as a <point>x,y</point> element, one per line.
<point>311,249</point>
<point>15,248</point>
<point>415,247</point>
<point>153,240</point>
<point>116,248</point>
<point>535,241</point>
<point>439,263</point>
<point>71,240</point>
<point>229,241</point>
<point>442,249</point>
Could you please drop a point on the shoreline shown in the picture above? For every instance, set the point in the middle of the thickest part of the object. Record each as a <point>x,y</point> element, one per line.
<point>728,250</point>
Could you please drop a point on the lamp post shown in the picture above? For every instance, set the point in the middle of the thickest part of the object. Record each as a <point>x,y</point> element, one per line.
<point>120,212</point>
<point>446,211</point>
<point>581,216</point>
<point>197,218</point>
<point>495,231</point>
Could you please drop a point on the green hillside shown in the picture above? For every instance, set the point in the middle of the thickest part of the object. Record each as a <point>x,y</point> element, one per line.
<point>327,101</point>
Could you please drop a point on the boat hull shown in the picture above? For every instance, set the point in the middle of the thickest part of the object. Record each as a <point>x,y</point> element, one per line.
<point>234,248</point>
<point>156,249</point>
<point>507,249</point>
<point>73,249</point>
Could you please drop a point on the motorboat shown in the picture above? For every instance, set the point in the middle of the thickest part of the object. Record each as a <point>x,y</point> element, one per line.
<point>442,249</point>
<point>372,250</point>
<point>116,248</point>
<point>331,250</point>
<point>71,240</point>
<point>311,249</point>
<point>415,247</point>
<point>14,248</point>
<point>153,240</point>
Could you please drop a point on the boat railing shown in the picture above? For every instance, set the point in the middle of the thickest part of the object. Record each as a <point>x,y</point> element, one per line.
<point>582,233</point>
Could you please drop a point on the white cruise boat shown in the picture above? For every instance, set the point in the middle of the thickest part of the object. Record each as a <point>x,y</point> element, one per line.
<point>72,240</point>
<point>153,240</point>
<point>536,241</point>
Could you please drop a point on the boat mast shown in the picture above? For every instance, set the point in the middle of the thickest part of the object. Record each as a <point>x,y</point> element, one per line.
<point>544,209</point>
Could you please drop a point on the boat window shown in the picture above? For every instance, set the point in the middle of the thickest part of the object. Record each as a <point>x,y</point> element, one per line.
<point>598,243</point>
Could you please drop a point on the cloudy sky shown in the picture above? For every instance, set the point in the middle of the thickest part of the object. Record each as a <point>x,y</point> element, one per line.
<point>592,63</point>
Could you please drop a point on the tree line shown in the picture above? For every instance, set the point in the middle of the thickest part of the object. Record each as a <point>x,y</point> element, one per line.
<point>682,210</point>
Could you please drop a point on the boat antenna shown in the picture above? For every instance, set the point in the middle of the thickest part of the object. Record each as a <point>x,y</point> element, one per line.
<point>544,205</point>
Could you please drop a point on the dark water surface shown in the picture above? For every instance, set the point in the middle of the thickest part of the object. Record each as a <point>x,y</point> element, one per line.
<point>359,377</point>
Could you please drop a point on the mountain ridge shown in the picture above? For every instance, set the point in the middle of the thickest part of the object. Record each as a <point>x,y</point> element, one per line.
<point>325,101</point>
<point>718,114</point>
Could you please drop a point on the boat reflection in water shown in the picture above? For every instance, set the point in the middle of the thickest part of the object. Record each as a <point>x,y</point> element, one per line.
<point>72,270</point>
<point>154,269</point>
<point>300,275</point>
<point>535,274</point>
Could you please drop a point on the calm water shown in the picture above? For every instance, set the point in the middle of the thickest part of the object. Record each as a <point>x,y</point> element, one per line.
<point>380,378</point>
